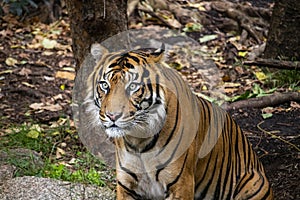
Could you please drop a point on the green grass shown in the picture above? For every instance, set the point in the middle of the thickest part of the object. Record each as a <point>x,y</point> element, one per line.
<point>60,154</point>
<point>284,78</point>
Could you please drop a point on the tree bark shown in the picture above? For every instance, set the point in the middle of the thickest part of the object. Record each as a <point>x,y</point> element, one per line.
<point>284,33</point>
<point>94,21</point>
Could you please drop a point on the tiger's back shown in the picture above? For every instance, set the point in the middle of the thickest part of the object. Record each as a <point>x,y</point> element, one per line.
<point>170,144</point>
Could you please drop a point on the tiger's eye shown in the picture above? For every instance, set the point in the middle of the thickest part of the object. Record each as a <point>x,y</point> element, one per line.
<point>133,86</point>
<point>104,85</point>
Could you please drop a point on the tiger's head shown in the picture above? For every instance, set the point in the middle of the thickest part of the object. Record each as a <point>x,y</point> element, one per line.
<point>127,95</point>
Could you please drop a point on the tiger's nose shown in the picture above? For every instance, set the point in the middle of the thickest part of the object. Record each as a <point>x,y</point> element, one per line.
<point>113,116</point>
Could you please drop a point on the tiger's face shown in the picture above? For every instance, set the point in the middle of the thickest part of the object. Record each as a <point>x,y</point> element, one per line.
<point>128,95</point>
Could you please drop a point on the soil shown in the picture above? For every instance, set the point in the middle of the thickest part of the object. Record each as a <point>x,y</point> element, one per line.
<point>22,85</point>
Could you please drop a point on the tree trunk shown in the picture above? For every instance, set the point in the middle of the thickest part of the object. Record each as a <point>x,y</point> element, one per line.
<point>284,33</point>
<point>94,21</point>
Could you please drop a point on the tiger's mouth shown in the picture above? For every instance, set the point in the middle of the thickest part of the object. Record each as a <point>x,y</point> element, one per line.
<point>115,124</point>
<point>115,129</point>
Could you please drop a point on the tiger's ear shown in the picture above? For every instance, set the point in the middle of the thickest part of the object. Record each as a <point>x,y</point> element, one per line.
<point>98,51</point>
<point>158,54</point>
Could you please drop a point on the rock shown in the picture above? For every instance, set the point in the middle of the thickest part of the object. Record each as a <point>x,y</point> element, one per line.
<point>6,172</point>
<point>34,188</point>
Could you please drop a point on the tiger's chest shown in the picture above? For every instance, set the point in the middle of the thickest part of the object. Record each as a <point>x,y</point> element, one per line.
<point>150,188</point>
<point>141,177</point>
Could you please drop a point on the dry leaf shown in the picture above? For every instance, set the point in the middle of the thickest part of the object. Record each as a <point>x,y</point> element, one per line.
<point>65,75</point>
<point>42,106</point>
<point>70,69</point>
<point>28,84</point>
<point>48,44</point>
<point>230,84</point>
<point>207,38</point>
<point>59,153</point>
<point>260,76</point>
<point>49,78</point>
<point>6,72</point>
<point>64,62</point>
<point>295,104</point>
<point>47,53</point>
<point>11,61</point>
<point>24,72</point>
<point>59,96</point>
<point>230,90</point>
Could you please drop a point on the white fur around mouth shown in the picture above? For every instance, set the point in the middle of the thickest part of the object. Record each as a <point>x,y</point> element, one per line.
<point>114,132</point>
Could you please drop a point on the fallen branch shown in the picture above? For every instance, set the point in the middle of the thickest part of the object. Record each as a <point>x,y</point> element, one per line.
<point>260,102</point>
<point>279,64</point>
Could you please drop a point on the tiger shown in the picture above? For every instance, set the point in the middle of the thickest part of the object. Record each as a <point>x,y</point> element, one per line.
<point>169,143</point>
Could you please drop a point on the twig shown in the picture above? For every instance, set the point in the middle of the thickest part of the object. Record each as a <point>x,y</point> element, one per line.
<point>275,136</point>
<point>272,63</point>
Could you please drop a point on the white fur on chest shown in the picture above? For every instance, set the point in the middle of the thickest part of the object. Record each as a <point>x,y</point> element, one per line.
<point>151,188</point>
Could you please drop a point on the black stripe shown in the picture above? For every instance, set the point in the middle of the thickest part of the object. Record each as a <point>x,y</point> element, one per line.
<point>131,193</point>
<point>135,58</point>
<point>157,84</point>
<point>142,92</point>
<point>129,145</point>
<point>163,165</point>
<point>150,99</point>
<point>175,123</point>
<point>246,149</point>
<point>259,190</point>
<point>237,155</point>
<point>143,61</point>
<point>220,179</point>
<point>241,185</point>
<point>113,65</point>
<point>204,192</point>
<point>132,174</point>
<point>151,144</point>
<point>268,194</point>
<point>122,58</point>
<point>204,173</point>
<point>178,176</point>
<point>229,170</point>
<point>229,192</point>
<point>173,130</point>
<point>129,65</point>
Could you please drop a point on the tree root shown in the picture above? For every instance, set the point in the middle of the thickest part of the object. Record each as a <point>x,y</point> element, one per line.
<point>260,102</point>
<point>249,18</point>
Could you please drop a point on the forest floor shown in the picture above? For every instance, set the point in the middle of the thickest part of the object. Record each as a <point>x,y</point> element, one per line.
<point>37,76</point>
